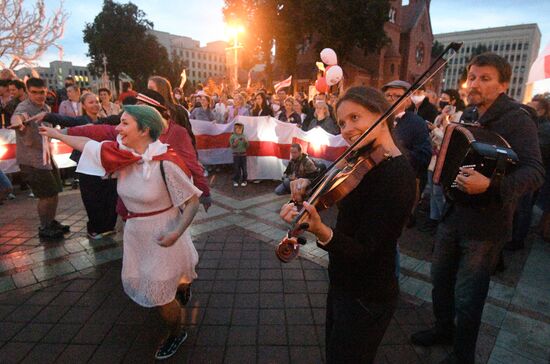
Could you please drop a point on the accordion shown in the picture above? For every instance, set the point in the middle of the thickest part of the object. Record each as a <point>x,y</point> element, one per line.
<point>471,146</point>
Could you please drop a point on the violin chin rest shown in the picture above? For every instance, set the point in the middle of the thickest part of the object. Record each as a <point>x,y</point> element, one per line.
<point>287,249</point>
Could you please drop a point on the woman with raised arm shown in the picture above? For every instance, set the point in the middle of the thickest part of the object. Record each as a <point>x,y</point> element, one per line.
<point>154,184</point>
<point>363,287</point>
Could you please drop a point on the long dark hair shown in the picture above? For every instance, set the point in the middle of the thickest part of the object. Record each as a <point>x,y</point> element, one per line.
<point>265,106</point>
<point>455,96</point>
<point>370,98</point>
<point>177,112</point>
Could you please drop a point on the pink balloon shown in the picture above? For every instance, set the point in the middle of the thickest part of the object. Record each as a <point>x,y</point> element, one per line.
<point>333,75</point>
<point>321,85</point>
<point>328,55</point>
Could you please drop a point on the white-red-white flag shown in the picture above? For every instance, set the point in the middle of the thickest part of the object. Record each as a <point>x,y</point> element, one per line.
<point>183,78</point>
<point>249,82</point>
<point>283,84</point>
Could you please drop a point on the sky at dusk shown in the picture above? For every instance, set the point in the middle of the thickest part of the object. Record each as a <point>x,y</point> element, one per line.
<point>203,20</point>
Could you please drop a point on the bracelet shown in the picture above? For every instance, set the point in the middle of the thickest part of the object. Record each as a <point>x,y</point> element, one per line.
<point>328,240</point>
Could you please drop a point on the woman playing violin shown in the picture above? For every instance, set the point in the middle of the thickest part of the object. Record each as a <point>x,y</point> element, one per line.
<point>363,286</point>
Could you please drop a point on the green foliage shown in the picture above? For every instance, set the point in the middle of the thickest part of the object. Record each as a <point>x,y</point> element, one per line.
<point>437,49</point>
<point>341,25</point>
<point>345,25</point>
<point>479,49</point>
<point>119,32</point>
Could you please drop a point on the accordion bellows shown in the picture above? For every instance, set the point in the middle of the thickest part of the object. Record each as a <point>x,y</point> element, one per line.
<point>470,145</point>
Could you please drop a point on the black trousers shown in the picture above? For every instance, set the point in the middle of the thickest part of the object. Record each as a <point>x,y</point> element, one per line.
<point>354,327</point>
<point>99,197</point>
<point>239,168</point>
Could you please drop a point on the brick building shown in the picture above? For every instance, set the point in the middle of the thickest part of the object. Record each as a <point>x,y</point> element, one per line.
<point>406,56</point>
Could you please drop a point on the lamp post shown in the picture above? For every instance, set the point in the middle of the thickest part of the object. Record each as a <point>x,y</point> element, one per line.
<point>105,76</point>
<point>234,33</point>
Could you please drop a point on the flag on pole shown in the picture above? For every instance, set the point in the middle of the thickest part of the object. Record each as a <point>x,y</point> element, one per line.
<point>283,84</point>
<point>249,79</point>
<point>183,78</point>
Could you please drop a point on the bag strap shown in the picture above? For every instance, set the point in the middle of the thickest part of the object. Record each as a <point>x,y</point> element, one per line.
<point>163,174</point>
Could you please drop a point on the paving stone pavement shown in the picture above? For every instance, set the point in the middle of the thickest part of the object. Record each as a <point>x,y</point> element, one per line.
<point>62,302</point>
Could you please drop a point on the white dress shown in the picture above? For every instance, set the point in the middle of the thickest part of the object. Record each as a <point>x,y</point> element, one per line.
<point>151,273</point>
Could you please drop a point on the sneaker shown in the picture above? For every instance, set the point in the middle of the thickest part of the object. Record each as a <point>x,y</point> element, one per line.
<point>108,232</point>
<point>432,337</point>
<point>235,184</point>
<point>31,195</point>
<point>184,296</point>
<point>256,181</point>
<point>50,232</point>
<point>64,228</point>
<point>244,184</point>
<point>95,236</point>
<point>170,346</point>
<point>11,196</point>
<point>75,184</point>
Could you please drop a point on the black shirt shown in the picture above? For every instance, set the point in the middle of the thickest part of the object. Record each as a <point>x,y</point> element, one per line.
<point>511,121</point>
<point>370,220</point>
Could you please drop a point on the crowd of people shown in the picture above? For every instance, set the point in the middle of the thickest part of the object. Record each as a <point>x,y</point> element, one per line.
<point>137,159</point>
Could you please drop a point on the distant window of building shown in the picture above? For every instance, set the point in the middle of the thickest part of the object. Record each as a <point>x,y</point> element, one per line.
<point>507,46</point>
<point>193,73</point>
<point>209,66</point>
<point>513,46</point>
<point>526,46</point>
<point>520,45</point>
<point>495,47</point>
<point>193,64</point>
<point>392,69</point>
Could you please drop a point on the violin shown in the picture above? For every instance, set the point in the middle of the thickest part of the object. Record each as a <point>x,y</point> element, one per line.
<point>347,171</point>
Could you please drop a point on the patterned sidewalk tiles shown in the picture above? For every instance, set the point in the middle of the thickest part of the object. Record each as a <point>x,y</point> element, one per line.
<point>516,319</point>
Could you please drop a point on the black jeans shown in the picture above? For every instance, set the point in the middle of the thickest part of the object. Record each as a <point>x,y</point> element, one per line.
<point>461,272</point>
<point>99,197</point>
<point>522,218</point>
<point>354,327</point>
<point>239,168</point>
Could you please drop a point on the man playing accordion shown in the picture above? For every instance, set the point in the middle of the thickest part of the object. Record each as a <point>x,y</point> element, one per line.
<point>470,238</point>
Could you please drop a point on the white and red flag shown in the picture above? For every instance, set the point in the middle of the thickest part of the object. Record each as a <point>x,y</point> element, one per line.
<point>270,141</point>
<point>283,84</point>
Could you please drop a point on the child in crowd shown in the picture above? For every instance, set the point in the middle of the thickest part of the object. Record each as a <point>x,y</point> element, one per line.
<point>239,145</point>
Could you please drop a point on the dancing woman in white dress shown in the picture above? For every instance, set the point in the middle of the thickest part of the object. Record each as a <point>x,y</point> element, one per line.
<point>155,186</point>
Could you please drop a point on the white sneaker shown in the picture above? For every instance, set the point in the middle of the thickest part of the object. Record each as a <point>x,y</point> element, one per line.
<point>244,184</point>
<point>235,184</point>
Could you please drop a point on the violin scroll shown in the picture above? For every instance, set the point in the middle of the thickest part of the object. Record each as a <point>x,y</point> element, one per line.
<point>289,248</point>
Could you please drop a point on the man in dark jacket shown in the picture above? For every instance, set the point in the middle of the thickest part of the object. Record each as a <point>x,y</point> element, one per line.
<point>421,105</point>
<point>469,240</point>
<point>299,166</point>
<point>410,130</point>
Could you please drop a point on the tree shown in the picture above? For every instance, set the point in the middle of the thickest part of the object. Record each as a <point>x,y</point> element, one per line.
<point>24,35</point>
<point>479,49</point>
<point>346,25</point>
<point>119,32</point>
<point>285,24</point>
<point>437,49</point>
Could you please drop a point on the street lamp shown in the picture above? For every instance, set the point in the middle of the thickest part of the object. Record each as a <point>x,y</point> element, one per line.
<point>233,32</point>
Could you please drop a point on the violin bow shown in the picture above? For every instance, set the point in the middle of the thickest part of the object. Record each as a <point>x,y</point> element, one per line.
<point>320,184</point>
<point>420,81</point>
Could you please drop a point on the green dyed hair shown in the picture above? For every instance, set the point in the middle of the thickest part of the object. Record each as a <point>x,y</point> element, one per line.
<point>147,117</point>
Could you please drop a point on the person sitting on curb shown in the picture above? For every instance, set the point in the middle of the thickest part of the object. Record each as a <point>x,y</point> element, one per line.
<point>299,166</point>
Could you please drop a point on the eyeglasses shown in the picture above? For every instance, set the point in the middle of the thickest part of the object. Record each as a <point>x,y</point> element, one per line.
<point>393,96</point>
